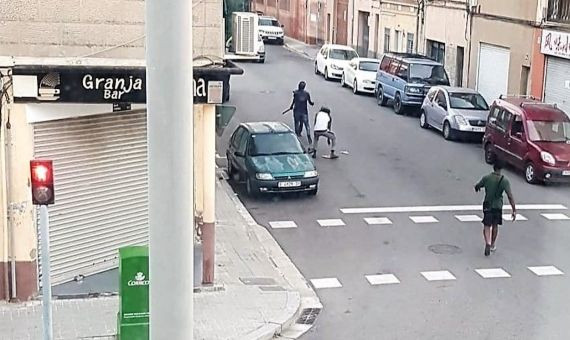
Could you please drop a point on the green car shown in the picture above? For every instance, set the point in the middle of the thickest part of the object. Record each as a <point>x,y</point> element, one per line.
<point>270,159</point>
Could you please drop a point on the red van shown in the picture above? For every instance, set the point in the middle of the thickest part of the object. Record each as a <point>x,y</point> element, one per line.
<point>531,136</point>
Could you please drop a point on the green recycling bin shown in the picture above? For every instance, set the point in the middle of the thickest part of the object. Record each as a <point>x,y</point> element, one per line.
<point>133,317</point>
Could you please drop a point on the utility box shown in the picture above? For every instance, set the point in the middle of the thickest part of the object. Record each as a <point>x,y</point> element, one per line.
<point>133,317</point>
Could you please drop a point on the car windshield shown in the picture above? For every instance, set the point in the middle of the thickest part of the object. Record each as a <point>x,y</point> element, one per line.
<point>268,22</point>
<point>342,54</point>
<point>428,74</point>
<point>275,144</point>
<point>370,66</point>
<point>467,101</point>
<point>548,131</point>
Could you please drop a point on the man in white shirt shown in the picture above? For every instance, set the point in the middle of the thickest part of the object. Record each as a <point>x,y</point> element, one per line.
<point>322,128</point>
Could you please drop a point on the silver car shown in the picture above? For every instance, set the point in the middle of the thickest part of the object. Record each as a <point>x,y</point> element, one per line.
<point>454,111</point>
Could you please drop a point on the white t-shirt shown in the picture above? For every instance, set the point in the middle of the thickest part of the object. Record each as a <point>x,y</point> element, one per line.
<point>322,121</point>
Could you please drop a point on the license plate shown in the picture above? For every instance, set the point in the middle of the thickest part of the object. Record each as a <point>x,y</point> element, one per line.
<point>478,129</point>
<point>271,38</point>
<point>566,173</point>
<point>291,184</point>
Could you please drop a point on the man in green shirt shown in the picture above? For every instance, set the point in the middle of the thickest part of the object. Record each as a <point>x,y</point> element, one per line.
<point>495,184</point>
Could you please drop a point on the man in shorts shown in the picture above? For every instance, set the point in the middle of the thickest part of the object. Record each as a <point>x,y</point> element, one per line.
<point>495,184</point>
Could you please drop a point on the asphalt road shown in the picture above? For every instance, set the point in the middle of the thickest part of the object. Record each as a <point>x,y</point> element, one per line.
<point>391,162</point>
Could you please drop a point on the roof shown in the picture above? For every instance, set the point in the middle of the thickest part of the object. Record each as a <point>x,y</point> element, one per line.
<point>534,109</point>
<point>413,58</point>
<point>454,89</point>
<point>266,127</point>
<point>338,47</point>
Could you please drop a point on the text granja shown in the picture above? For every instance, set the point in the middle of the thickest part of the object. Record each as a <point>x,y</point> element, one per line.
<point>113,88</point>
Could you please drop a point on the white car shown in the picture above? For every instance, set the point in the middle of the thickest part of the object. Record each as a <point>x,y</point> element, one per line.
<point>270,29</point>
<point>332,59</point>
<point>360,74</point>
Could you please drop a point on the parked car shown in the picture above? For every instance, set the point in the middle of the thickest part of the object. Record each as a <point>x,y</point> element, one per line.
<point>530,135</point>
<point>454,111</point>
<point>270,159</point>
<point>270,29</point>
<point>406,78</point>
<point>360,75</point>
<point>332,59</point>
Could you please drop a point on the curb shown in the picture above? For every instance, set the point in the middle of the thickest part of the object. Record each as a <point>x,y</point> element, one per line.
<point>298,51</point>
<point>282,263</point>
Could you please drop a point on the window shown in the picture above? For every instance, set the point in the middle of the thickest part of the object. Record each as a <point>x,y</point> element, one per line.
<point>558,11</point>
<point>394,66</point>
<point>368,66</point>
<point>403,71</point>
<point>517,127</point>
<point>387,32</point>
<point>503,119</point>
<point>548,131</point>
<point>410,43</point>
<point>242,142</point>
<point>342,54</point>
<point>398,40</point>
<point>385,65</point>
<point>467,101</point>
<point>431,94</point>
<point>428,74</point>
<point>440,99</point>
<point>269,22</point>
<point>274,144</point>
<point>236,137</point>
<point>436,51</point>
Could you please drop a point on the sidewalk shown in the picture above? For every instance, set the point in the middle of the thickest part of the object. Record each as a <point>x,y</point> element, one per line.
<point>258,294</point>
<point>309,51</point>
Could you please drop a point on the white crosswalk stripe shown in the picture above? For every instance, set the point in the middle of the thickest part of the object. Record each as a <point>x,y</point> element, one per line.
<point>382,279</point>
<point>283,224</point>
<point>334,222</point>
<point>509,217</point>
<point>546,270</point>
<point>377,220</point>
<point>468,218</point>
<point>556,217</point>
<point>423,219</point>
<point>329,282</point>
<point>440,275</point>
<point>492,273</point>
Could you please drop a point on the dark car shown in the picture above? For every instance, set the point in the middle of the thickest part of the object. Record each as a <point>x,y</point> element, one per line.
<point>530,135</point>
<point>270,159</point>
<point>406,78</point>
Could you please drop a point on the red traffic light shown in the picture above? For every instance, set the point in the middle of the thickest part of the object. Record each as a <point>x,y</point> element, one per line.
<point>41,174</point>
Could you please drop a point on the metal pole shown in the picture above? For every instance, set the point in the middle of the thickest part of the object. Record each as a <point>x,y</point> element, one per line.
<point>209,177</point>
<point>46,273</point>
<point>170,164</point>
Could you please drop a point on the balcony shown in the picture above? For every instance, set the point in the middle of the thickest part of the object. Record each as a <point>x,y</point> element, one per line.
<point>558,11</point>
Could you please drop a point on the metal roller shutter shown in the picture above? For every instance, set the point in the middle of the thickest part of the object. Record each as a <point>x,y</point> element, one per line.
<point>493,71</point>
<point>101,183</point>
<point>557,85</point>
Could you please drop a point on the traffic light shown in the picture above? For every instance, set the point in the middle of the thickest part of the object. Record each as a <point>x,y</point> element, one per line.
<point>42,182</point>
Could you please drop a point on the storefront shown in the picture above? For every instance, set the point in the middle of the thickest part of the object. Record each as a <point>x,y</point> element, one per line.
<point>556,48</point>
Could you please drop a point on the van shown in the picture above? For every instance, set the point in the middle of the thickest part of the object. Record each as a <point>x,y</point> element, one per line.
<point>406,78</point>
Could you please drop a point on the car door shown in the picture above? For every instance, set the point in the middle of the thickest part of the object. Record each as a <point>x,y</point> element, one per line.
<point>501,123</point>
<point>382,73</point>
<point>516,142</point>
<point>240,153</point>
<point>439,109</point>
<point>390,90</point>
<point>352,67</point>
<point>429,103</point>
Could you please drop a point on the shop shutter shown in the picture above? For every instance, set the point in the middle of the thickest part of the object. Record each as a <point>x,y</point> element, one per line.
<point>493,71</point>
<point>101,183</point>
<point>557,85</point>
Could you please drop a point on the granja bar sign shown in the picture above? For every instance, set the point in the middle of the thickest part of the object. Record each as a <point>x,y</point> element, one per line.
<point>84,84</point>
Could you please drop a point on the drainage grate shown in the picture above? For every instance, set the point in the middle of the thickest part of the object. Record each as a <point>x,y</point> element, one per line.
<point>446,249</point>
<point>308,316</point>
<point>258,281</point>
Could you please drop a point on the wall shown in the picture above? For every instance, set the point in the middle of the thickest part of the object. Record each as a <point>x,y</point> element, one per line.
<point>520,9</point>
<point>208,28</point>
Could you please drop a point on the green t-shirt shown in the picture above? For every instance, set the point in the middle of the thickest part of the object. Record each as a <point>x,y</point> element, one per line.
<point>493,190</point>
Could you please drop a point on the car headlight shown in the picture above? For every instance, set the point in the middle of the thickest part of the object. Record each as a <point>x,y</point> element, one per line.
<point>547,158</point>
<point>461,120</point>
<point>414,90</point>
<point>335,67</point>
<point>368,81</point>
<point>312,173</point>
<point>264,176</point>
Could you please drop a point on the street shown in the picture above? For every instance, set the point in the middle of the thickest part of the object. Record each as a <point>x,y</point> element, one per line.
<point>391,162</point>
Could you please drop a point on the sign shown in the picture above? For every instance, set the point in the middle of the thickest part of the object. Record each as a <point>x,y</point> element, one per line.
<point>555,43</point>
<point>121,107</point>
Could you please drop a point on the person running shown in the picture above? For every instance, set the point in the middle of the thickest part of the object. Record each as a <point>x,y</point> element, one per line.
<point>322,128</point>
<point>300,112</point>
<point>495,184</point>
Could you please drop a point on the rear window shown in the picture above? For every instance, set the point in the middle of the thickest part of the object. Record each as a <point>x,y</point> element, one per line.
<point>274,144</point>
<point>342,54</point>
<point>370,66</point>
<point>467,101</point>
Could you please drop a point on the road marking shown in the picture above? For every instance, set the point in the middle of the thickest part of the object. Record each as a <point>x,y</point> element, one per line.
<point>424,219</point>
<point>220,157</point>
<point>283,224</point>
<point>556,217</point>
<point>546,270</point>
<point>329,282</point>
<point>441,275</point>
<point>382,279</point>
<point>468,218</point>
<point>443,208</point>
<point>492,273</point>
<point>333,222</point>
<point>377,220</point>
<point>509,217</point>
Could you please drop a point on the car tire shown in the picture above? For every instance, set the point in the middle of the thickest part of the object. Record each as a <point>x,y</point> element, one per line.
<point>398,107</point>
<point>251,191</point>
<point>316,68</point>
<point>342,82</point>
<point>448,132</point>
<point>314,191</point>
<point>326,73</point>
<point>530,173</point>
<point>490,156</point>
<point>423,120</point>
<point>355,87</point>
<point>380,99</point>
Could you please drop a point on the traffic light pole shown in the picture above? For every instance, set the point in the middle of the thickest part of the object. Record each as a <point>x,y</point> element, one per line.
<point>170,162</point>
<point>46,273</point>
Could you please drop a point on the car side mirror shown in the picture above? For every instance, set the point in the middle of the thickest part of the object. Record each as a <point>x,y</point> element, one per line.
<point>282,26</point>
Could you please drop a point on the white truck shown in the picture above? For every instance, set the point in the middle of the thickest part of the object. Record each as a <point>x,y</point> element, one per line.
<point>246,42</point>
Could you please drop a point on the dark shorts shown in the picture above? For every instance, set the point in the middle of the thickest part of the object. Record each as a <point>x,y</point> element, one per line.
<point>493,217</point>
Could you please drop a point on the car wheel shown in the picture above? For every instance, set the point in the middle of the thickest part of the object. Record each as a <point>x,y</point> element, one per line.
<point>314,191</point>
<point>530,173</point>
<point>326,74</point>
<point>251,191</point>
<point>355,87</point>
<point>423,120</point>
<point>380,99</point>
<point>448,132</point>
<point>490,156</point>
<point>342,82</point>
<point>398,107</point>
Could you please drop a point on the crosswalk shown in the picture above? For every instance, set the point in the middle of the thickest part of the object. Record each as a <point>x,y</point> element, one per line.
<point>435,276</point>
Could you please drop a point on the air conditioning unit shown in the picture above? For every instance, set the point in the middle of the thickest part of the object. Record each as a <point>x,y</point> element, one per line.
<point>245,32</point>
